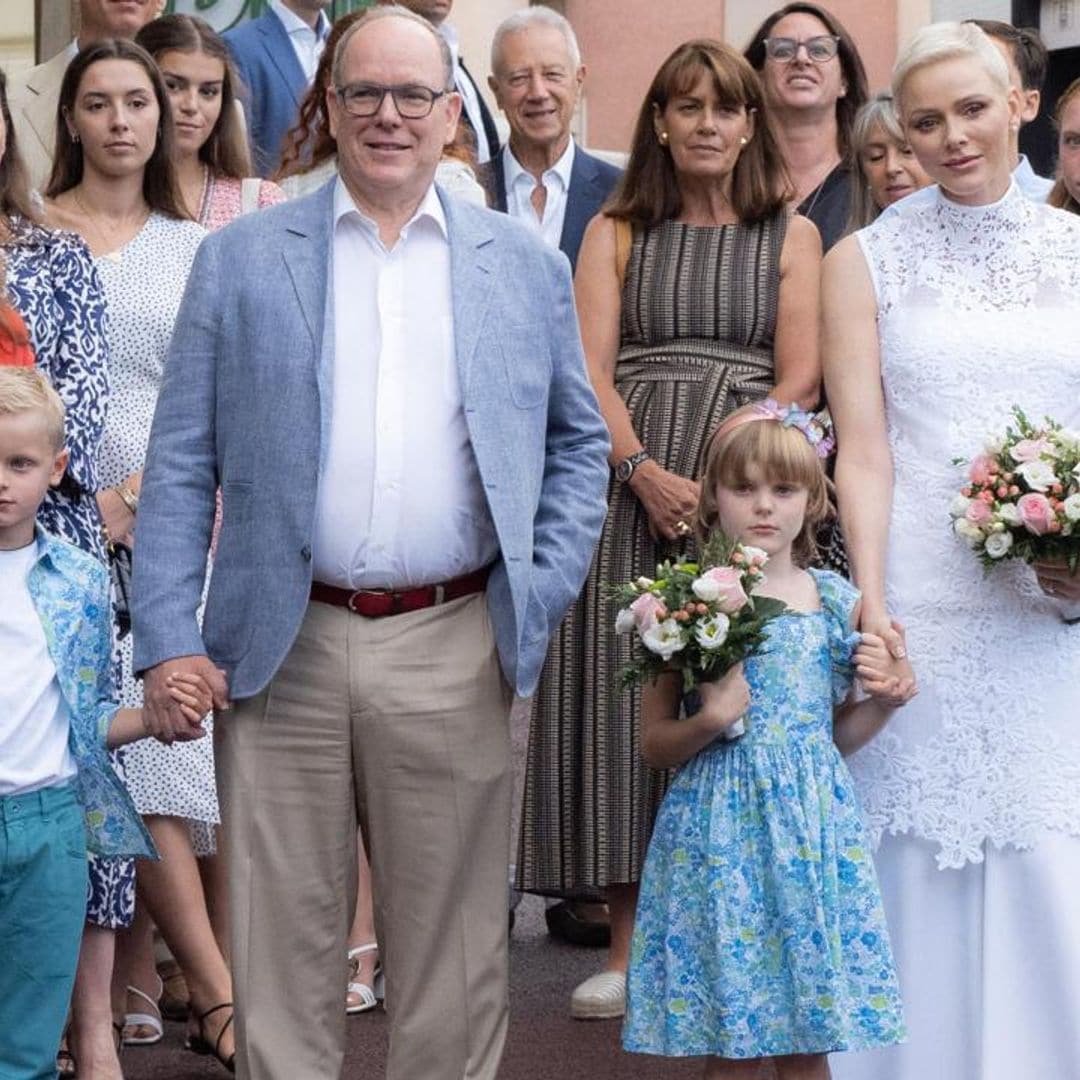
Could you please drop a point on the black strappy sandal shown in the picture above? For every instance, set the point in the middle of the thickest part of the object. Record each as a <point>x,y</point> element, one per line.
<point>199,1044</point>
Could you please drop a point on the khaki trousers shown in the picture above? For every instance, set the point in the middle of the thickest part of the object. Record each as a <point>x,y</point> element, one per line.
<point>401,723</point>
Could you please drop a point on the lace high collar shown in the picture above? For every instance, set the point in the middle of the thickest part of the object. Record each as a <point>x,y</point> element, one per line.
<point>1013,207</point>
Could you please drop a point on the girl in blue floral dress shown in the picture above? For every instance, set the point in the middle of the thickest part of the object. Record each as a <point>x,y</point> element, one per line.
<point>760,931</point>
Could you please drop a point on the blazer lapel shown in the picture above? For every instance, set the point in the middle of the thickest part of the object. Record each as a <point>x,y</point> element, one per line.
<point>283,55</point>
<point>41,100</point>
<point>472,274</point>
<point>582,201</point>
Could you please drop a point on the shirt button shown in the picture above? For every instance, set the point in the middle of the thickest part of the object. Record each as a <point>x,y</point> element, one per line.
<point>305,553</point>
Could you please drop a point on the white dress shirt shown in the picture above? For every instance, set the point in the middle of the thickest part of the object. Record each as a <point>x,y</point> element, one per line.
<point>470,98</point>
<point>519,187</point>
<point>308,44</point>
<point>34,721</point>
<point>400,499</point>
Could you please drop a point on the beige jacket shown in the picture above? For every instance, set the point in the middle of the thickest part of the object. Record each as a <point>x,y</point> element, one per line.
<point>33,98</point>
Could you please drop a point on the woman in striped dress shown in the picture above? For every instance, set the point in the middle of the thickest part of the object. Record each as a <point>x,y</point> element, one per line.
<point>697,293</point>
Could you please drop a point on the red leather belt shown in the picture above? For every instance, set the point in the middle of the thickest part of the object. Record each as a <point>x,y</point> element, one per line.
<point>378,603</point>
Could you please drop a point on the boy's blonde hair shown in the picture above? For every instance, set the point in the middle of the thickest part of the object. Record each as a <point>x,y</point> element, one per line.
<point>784,455</point>
<point>27,390</point>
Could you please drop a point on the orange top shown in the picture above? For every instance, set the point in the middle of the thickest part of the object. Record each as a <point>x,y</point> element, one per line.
<point>15,348</point>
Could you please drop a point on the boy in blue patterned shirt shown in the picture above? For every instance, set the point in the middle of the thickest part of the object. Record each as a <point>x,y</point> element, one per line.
<point>59,796</point>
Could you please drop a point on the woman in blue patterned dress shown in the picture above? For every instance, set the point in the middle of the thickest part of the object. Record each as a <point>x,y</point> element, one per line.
<point>760,932</point>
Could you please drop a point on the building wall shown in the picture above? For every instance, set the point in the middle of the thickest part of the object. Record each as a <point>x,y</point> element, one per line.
<point>16,34</point>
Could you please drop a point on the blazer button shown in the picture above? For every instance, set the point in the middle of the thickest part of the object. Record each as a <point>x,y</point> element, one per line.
<point>305,551</point>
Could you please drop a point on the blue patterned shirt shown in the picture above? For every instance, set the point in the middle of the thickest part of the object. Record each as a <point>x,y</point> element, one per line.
<point>70,592</point>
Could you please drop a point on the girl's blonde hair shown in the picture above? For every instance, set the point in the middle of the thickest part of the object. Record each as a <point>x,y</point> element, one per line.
<point>784,455</point>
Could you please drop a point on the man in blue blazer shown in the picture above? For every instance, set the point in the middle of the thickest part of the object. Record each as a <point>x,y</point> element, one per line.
<point>541,177</point>
<point>388,387</point>
<point>276,56</point>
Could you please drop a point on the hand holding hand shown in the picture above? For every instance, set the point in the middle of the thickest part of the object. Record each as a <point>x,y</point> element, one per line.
<point>882,675</point>
<point>670,500</point>
<point>891,632</point>
<point>723,702</point>
<point>164,687</point>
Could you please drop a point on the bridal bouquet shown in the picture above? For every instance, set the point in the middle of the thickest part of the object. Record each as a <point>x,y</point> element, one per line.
<point>1022,496</point>
<point>698,618</point>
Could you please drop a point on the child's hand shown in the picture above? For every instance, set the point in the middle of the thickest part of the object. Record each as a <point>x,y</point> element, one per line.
<point>191,691</point>
<point>724,701</point>
<point>884,677</point>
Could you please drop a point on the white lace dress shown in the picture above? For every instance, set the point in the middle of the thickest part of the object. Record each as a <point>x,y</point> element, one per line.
<point>979,776</point>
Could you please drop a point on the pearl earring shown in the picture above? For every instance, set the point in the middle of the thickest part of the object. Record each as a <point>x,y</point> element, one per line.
<point>743,141</point>
<point>663,137</point>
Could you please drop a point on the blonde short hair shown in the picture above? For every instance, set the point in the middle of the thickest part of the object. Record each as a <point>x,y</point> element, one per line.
<point>27,390</point>
<point>947,41</point>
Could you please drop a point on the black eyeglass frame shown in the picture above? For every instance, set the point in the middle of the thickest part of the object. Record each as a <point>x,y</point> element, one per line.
<point>768,44</point>
<point>394,91</point>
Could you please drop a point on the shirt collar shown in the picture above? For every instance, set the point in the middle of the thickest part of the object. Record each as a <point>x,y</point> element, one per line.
<point>430,208</point>
<point>450,36</point>
<point>560,170</point>
<point>295,25</point>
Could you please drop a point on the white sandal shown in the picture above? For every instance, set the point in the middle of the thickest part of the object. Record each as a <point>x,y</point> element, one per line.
<point>369,996</point>
<point>600,997</point>
<point>151,1020</point>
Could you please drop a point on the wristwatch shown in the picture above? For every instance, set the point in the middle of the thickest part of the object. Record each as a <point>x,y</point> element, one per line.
<point>625,469</point>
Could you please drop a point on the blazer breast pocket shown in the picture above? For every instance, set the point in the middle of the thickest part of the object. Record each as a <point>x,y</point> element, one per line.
<point>527,359</point>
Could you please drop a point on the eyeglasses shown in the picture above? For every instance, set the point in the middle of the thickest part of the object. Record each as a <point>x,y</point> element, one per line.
<point>820,49</point>
<point>413,102</point>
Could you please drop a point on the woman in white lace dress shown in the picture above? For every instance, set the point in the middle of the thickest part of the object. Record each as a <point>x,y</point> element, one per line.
<point>938,318</point>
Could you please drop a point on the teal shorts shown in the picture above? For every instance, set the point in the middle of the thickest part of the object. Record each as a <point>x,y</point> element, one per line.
<point>42,911</point>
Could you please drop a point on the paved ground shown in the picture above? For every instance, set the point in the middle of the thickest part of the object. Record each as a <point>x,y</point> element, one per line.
<point>544,1043</point>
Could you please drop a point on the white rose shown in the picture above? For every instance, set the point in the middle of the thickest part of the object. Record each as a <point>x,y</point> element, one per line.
<point>644,583</point>
<point>1068,439</point>
<point>755,555</point>
<point>705,589</point>
<point>664,638</point>
<point>625,621</point>
<point>1010,515</point>
<point>1038,474</point>
<point>998,544</point>
<point>1072,507</point>
<point>969,532</point>
<point>959,506</point>
<point>711,633</point>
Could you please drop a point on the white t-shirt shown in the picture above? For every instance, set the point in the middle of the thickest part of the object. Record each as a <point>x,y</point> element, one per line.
<point>34,719</point>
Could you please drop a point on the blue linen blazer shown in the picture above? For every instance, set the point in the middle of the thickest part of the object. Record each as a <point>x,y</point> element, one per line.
<point>245,404</point>
<point>273,85</point>
<point>591,182</point>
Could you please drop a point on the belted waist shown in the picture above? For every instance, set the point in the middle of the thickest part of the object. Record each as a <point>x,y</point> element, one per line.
<point>378,603</point>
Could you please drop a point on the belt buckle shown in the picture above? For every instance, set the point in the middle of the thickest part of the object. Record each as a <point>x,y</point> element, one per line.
<point>352,602</point>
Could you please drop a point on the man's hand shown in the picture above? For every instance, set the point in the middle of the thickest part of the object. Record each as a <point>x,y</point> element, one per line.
<point>163,714</point>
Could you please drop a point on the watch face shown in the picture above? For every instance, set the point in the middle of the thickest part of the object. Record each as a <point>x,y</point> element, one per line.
<point>624,470</point>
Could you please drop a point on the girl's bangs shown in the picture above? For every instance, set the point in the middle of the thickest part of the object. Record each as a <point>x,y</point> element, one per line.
<point>783,454</point>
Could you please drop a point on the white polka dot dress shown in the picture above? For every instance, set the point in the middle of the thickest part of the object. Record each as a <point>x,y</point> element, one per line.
<point>143,284</point>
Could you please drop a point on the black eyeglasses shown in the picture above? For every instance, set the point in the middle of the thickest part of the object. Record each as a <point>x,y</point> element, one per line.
<point>413,102</point>
<point>820,49</point>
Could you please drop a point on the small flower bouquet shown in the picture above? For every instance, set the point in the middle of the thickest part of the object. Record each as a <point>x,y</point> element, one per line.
<point>698,618</point>
<point>1022,496</point>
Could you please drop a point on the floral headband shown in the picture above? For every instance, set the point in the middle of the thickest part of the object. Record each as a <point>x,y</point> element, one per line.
<point>817,427</point>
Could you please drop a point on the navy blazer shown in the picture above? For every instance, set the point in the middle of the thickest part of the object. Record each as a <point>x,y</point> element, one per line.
<point>591,182</point>
<point>273,81</point>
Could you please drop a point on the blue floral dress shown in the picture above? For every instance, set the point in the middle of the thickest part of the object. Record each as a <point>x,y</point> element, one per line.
<point>760,930</point>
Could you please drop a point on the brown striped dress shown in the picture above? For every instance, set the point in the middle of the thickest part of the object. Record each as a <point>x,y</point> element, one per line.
<point>699,310</point>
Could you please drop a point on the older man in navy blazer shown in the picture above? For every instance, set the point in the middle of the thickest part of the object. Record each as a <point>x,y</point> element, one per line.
<point>276,56</point>
<point>541,177</point>
<point>392,399</point>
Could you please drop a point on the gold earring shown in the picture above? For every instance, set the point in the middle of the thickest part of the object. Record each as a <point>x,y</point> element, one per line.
<point>663,137</point>
<point>743,141</point>
<point>75,136</point>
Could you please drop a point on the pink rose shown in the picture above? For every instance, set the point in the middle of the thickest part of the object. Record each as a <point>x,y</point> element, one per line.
<point>645,609</point>
<point>1032,449</point>
<point>722,585</point>
<point>982,469</point>
<point>1036,513</point>
<point>978,512</point>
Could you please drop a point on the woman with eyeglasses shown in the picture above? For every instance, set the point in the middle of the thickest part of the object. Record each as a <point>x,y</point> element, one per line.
<point>814,84</point>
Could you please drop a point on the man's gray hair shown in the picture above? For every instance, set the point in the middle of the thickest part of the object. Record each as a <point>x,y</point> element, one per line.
<point>539,15</point>
<point>392,11</point>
